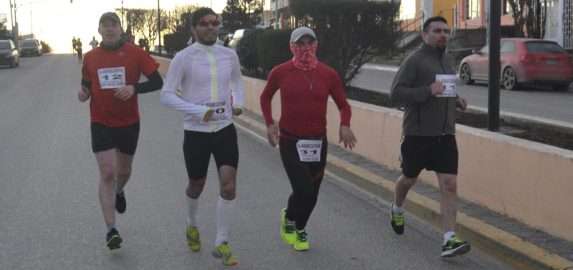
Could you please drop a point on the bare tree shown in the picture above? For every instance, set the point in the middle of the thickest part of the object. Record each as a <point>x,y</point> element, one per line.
<point>242,14</point>
<point>178,15</point>
<point>150,31</point>
<point>530,17</point>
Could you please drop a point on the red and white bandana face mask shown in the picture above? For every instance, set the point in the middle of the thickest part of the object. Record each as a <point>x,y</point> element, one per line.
<point>304,56</point>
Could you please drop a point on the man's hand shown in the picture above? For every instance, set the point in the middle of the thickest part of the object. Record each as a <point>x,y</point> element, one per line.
<point>84,94</point>
<point>208,115</point>
<point>461,103</point>
<point>273,134</point>
<point>237,111</point>
<point>437,88</point>
<point>347,137</point>
<point>125,92</point>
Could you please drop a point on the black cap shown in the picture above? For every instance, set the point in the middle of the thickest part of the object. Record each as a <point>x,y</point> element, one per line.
<point>109,16</point>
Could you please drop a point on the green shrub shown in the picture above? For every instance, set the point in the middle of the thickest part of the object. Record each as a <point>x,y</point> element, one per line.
<point>247,50</point>
<point>175,42</point>
<point>273,48</point>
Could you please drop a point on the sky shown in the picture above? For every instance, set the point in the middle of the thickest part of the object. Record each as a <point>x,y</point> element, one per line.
<point>57,21</point>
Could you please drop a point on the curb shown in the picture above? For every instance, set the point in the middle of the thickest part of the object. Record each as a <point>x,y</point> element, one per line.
<point>503,245</point>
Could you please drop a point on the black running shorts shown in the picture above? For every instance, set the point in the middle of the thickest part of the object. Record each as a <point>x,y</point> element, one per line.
<point>434,153</point>
<point>198,147</point>
<point>124,139</point>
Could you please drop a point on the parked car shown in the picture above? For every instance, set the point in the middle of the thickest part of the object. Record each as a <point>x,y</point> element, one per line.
<point>523,61</point>
<point>9,53</point>
<point>237,36</point>
<point>31,47</point>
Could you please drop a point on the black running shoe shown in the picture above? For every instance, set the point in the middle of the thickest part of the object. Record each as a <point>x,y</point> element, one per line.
<point>113,239</point>
<point>120,203</point>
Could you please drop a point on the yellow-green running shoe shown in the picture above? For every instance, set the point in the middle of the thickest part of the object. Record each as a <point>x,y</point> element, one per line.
<point>301,243</point>
<point>287,229</point>
<point>455,247</point>
<point>223,251</point>
<point>397,221</point>
<point>193,240</point>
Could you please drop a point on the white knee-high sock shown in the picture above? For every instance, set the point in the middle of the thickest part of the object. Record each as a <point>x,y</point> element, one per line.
<point>224,217</point>
<point>192,205</point>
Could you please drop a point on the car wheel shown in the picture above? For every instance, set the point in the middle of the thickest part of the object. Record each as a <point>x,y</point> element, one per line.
<point>466,74</point>
<point>561,87</point>
<point>508,79</point>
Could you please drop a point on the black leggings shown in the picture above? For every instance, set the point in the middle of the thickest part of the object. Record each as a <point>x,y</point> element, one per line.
<point>305,179</point>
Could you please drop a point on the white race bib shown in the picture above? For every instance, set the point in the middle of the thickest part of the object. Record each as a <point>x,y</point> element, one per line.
<point>219,110</point>
<point>449,81</point>
<point>111,78</point>
<point>309,150</point>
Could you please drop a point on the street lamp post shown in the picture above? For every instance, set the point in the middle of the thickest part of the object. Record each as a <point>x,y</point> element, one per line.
<point>494,65</point>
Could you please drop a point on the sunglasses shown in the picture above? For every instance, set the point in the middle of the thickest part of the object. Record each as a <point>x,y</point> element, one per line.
<point>207,23</point>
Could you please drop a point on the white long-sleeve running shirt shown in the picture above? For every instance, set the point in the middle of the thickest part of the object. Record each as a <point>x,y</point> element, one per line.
<point>200,78</point>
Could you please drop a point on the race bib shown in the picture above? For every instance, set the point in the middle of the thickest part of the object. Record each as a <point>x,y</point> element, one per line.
<point>111,78</point>
<point>219,110</point>
<point>309,150</point>
<point>449,81</point>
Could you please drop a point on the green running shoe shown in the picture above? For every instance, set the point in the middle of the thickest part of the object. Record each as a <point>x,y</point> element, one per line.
<point>301,243</point>
<point>193,240</point>
<point>397,222</point>
<point>455,247</point>
<point>287,229</point>
<point>223,251</point>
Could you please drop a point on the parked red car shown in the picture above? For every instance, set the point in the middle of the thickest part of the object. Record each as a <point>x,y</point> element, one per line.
<point>523,61</point>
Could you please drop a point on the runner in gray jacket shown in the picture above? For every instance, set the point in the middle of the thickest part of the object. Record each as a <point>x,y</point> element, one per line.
<point>425,87</point>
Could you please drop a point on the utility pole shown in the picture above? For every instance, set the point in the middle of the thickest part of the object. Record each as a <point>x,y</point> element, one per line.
<point>15,30</point>
<point>159,25</point>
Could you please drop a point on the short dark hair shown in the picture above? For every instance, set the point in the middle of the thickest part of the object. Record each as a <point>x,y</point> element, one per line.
<point>200,13</point>
<point>431,20</point>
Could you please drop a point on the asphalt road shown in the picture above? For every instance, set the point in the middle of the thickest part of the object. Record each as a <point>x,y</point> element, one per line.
<point>50,216</point>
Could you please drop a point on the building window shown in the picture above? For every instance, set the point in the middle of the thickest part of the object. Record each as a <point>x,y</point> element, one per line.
<point>472,9</point>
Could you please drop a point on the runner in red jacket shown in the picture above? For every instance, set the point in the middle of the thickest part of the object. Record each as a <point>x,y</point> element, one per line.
<point>110,77</point>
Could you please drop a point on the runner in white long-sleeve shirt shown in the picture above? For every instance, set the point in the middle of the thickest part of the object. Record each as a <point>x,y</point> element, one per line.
<point>211,92</point>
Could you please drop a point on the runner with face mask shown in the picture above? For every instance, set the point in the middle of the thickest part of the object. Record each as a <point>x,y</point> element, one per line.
<point>305,85</point>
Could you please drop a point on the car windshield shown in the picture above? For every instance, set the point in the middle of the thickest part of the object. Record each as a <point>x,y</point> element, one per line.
<point>543,47</point>
<point>4,45</point>
<point>29,44</point>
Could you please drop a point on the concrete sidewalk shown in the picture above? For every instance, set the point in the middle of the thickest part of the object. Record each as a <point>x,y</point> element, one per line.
<point>507,239</point>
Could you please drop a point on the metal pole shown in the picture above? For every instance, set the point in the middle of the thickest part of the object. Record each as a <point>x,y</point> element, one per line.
<point>159,25</point>
<point>494,65</point>
<point>122,13</point>
<point>11,16</point>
